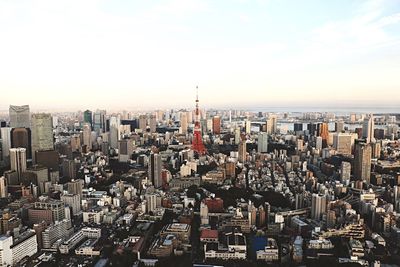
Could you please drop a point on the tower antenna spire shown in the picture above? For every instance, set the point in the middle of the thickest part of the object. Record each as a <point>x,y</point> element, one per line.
<point>197,144</point>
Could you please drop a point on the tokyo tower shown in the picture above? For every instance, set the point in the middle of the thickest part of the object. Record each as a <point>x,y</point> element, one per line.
<point>197,144</point>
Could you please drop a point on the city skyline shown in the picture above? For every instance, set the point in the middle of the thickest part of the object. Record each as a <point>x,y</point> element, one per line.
<point>243,54</point>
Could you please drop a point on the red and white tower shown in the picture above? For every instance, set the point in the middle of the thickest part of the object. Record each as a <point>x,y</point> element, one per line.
<point>197,144</point>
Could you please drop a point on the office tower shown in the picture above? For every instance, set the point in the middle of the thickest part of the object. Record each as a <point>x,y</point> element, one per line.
<point>345,172</point>
<point>57,208</point>
<point>75,142</point>
<point>3,187</point>
<point>324,133</point>
<point>362,162</point>
<point>87,132</point>
<point>339,126</point>
<point>237,136</point>
<point>87,117</point>
<point>272,124</point>
<point>248,126</point>
<point>151,202</point>
<point>143,123</point>
<point>68,169</point>
<point>318,206</point>
<point>99,121</point>
<point>318,143</point>
<point>242,151</point>
<point>125,150</point>
<point>262,146</point>
<point>114,132</point>
<point>342,142</point>
<point>55,232</point>
<point>20,116</point>
<point>49,159</point>
<point>197,143</point>
<point>153,124</point>
<point>298,127</point>
<point>75,187</point>
<point>18,161</point>
<point>42,133</point>
<point>73,201</point>
<point>155,168</point>
<point>312,128</point>
<point>5,136</point>
<point>184,122</point>
<point>21,137</point>
<point>216,122</point>
<point>368,128</point>
<point>376,149</point>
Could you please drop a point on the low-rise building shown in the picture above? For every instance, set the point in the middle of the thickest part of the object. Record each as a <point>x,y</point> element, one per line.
<point>270,252</point>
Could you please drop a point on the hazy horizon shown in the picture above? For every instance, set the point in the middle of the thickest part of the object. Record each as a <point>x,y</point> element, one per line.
<point>74,55</point>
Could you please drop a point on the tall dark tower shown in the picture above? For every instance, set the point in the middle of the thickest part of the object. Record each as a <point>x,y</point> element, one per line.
<point>197,144</point>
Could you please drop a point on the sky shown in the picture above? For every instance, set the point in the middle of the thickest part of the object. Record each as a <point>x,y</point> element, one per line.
<point>79,54</point>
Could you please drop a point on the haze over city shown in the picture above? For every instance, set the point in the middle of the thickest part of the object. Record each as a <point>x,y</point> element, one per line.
<point>144,54</point>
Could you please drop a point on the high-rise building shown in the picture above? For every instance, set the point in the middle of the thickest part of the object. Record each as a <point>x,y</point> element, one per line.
<point>5,137</point>
<point>151,202</point>
<point>18,161</point>
<point>73,201</point>
<point>272,124</point>
<point>324,133</point>
<point>298,127</point>
<point>57,208</point>
<point>262,146</point>
<point>368,128</point>
<point>318,206</point>
<point>19,116</point>
<point>153,124</point>
<point>248,126</point>
<point>339,126</point>
<point>114,131</point>
<point>125,150</point>
<point>87,117</point>
<point>42,133</point>
<point>75,187</point>
<point>216,120</point>
<point>21,137</point>
<point>362,162</point>
<point>343,142</point>
<point>3,187</point>
<point>155,169</point>
<point>56,231</point>
<point>143,123</point>
<point>87,132</point>
<point>184,122</point>
<point>345,171</point>
<point>242,151</point>
<point>99,121</point>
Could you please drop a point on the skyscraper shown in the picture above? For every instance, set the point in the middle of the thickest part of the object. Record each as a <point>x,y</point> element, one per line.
<point>324,133</point>
<point>345,171</point>
<point>18,161</point>
<point>362,162</point>
<point>184,122</point>
<point>216,121</point>
<point>87,117</point>
<point>262,146</point>
<point>155,169</point>
<point>21,137</point>
<point>99,121</point>
<point>318,206</point>
<point>368,128</point>
<point>143,123</point>
<point>3,188</point>
<point>153,124</point>
<point>342,142</point>
<point>42,133</point>
<point>272,124</point>
<point>5,137</point>
<point>19,116</point>
<point>242,151</point>
<point>114,131</point>
<point>87,132</point>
